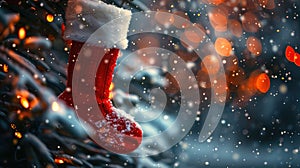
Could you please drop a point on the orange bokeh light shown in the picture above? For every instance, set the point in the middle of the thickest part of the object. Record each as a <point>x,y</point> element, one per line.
<point>183,21</point>
<point>236,76</point>
<point>232,3</point>
<point>218,19</point>
<point>263,3</point>
<point>223,47</point>
<point>148,41</point>
<point>203,79</point>
<point>187,56</point>
<point>192,36</point>
<point>254,45</point>
<point>164,18</point>
<point>221,89</point>
<point>231,63</point>
<point>263,83</point>
<point>213,2</point>
<point>235,28</point>
<point>250,22</point>
<point>186,42</point>
<point>290,53</point>
<point>268,4</point>
<point>172,86</point>
<point>211,64</point>
<point>297,59</point>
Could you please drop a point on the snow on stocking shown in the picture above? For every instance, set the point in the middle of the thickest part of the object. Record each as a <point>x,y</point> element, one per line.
<point>82,19</point>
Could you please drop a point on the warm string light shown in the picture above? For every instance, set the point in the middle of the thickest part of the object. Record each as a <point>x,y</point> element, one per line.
<point>13,126</point>
<point>59,161</point>
<point>5,68</point>
<point>62,160</point>
<point>49,18</point>
<point>24,102</point>
<point>22,33</point>
<point>55,106</point>
<point>18,135</point>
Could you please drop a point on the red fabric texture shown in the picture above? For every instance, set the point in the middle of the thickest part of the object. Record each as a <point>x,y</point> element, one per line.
<point>129,128</point>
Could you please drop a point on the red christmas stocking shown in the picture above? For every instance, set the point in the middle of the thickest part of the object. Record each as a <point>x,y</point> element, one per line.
<point>117,118</point>
<point>129,133</point>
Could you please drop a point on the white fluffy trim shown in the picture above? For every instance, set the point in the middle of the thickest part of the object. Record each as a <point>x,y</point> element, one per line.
<point>84,17</point>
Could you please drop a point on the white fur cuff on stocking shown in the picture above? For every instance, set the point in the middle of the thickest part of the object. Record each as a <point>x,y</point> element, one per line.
<point>84,17</point>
